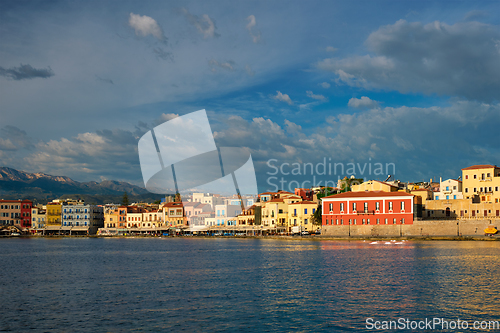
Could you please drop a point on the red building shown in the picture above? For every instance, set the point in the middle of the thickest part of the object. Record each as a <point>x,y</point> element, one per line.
<point>369,208</point>
<point>15,212</point>
<point>306,193</point>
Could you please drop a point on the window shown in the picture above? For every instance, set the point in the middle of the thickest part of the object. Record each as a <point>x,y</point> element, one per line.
<point>354,207</point>
<point>447,197</point>
<point>402,205</point>
<point>475,189</point>
<point>475,176</point>
<point>368,221</point>
<point>386,221</point>
<point>466,190</point>
<point>314,210</point>
<point>455,197</point>
<point>466,176</point>
<point>393,221</point>
<point>378,221</point>
<point>331,207</point>
<point>403,220</point>
<point>454,187</point>
<point>390,205</point>
<point>341,206</point>
<point>295,212</point>
<point>305,221</point>
<point>350,221</point>
<point>480,189</point>
<point>377,205</point>
<point>354,221</point>
<point>305,211</point>
<point>336,221</point>
<point>366,207</point>
<point>363,221</point>
<point>496,188</point>
<point>447,188</point>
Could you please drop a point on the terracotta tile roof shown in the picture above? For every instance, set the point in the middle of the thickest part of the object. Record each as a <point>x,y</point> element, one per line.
<point>369,194</point>
<point>276,200</point>
<point>173,204</point>
<point>480,166</point>
<point>304,202</point>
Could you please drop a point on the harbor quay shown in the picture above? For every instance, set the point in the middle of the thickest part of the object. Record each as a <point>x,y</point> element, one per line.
<point>464,207</point>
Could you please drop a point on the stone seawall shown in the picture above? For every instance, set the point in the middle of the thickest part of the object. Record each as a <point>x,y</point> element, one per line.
<point>426,228</point>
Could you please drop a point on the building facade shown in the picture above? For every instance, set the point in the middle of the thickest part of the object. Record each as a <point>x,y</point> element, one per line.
<point>367,208</point>
<point>482,181</point>
<point>450,189</point>
<point>16,212</point>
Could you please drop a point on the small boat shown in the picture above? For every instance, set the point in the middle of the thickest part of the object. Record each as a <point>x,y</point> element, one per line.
<point>490,231</point>
<point>15,234</point>
<point>374,243</point>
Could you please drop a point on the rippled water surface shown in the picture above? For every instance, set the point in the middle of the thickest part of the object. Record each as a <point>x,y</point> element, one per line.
<point>199,284</point>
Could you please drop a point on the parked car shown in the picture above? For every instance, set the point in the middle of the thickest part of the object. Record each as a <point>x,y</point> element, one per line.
<point>305,233</point>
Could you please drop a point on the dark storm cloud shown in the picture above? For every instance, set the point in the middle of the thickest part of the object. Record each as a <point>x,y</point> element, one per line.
<point>26,72</point>
<point>454,60</point>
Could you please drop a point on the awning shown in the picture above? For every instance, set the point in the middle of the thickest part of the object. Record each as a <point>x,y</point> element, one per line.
<point>80,229</point>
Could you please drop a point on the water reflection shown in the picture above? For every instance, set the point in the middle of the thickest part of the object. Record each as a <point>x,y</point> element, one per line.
<point>241,284</point>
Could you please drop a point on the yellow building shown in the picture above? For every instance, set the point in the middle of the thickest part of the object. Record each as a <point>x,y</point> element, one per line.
<point>483,181</point>
<point>54,211</point>
<point>301,214</point>
<point>373,185</point>
<point>173,215</point>
<point>424,193</point>
<point>274,214</point>
<point>461,209</point>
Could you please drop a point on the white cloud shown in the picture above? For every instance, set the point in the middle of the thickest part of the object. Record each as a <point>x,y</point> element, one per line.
<point>331,49</point>
<point>283,98</point>
<point>325,85</point>
<point>251,23</point>
<point>363,102</point>
<point>313,96</point>
<point>435,58</point>
<point>205,25</point>
<point>145,25</point>
<point>227,65</point>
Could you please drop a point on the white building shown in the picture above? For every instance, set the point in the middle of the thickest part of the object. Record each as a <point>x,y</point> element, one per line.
<point>38,218</point>
<point>449,189</point>
<point>82,217</point>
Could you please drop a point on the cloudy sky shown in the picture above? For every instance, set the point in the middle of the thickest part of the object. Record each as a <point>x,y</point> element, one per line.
<point>412,83</point>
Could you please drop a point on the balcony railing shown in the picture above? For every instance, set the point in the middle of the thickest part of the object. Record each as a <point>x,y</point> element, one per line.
<point>366,212</point>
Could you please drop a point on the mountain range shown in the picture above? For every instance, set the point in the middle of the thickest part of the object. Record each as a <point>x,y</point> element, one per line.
<point>40,187</point>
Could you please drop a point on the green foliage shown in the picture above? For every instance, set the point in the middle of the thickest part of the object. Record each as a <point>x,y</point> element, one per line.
<point>317,216</point>
<point>125,201</point>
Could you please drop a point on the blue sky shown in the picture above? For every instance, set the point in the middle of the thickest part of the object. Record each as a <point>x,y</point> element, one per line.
<point>406,82</point>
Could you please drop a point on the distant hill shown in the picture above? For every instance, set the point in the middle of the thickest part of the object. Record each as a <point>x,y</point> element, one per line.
<point>40,187</point>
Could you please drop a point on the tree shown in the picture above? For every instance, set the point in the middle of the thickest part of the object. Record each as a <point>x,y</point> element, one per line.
<point>177,197</point>
<point>317,216</point>
<point>125,201</point>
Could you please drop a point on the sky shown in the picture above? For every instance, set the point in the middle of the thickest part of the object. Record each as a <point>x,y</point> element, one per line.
<point>412,86</point>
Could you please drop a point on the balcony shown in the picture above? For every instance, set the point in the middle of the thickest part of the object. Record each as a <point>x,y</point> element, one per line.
<point>485,179</point>
<point>366,212</point>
